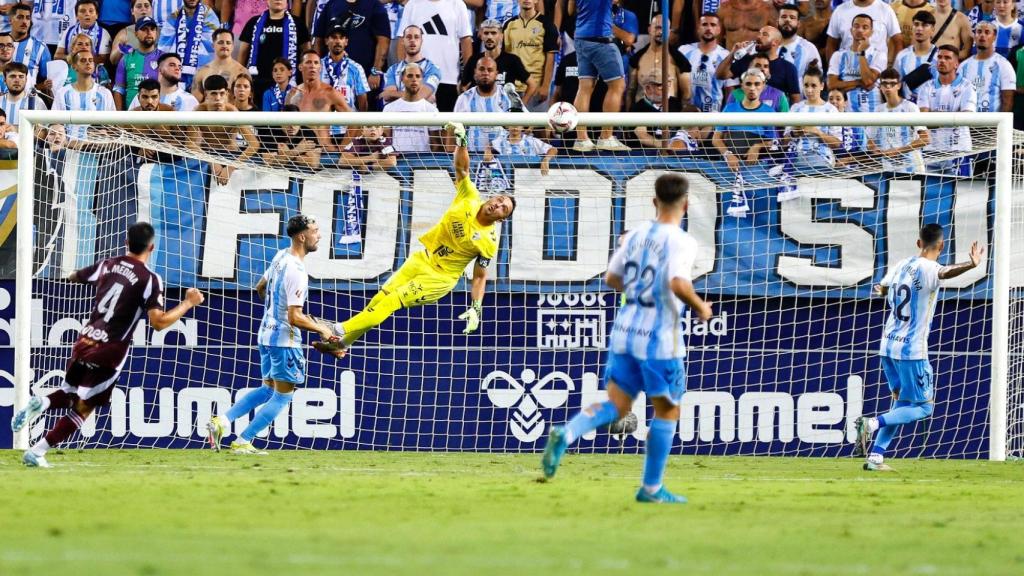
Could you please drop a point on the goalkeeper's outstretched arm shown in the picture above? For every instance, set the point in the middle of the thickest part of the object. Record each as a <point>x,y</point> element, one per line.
<point>461,155</point>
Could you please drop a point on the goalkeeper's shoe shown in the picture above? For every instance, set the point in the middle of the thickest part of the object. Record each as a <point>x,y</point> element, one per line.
<point>27,414</point>
<point>874,463</point>
<point>662,496</point>
<point>215,430</point>
<point>863,437</point>
<point>33,460</point>
<point>334,348</point>
<point>554,450</point>
<point>242,447</point>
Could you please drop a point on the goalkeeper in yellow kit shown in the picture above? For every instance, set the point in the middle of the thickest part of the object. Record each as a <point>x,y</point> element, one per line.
<point>465,233</point>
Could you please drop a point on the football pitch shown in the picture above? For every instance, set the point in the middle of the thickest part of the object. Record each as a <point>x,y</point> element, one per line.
<point>152,512</point>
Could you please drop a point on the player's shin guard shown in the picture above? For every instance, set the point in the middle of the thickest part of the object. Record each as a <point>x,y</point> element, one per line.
<point>249,402</point>
<point>590,418</point>
<point>659,444</point>
<point>376,312</point>
<point>266,415</point>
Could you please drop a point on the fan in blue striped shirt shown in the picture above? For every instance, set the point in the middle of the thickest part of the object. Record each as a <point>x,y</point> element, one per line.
<point>484,97</point>
<point>28,50</point>
<point>17,98</point>
<point>992,75</point>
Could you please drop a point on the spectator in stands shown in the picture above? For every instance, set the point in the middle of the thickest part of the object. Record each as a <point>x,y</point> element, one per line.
<point>18,97</point>
<point>783,73</point>
<point>171,92</point>
<point>598,59</point>
<point>81,42</point>
<point>991,75</point>
<point>625,29</point>
<point>8,133</point>
<point>705,56</point>
<point>394,9</point>
<point>115,16</point>
<point>412,41</point>
<point>273,34</point>
<point>235,14</point>
<point>983,11</point>
<point>501,10</point>
<point>815,24</point>
<point>86,15</point>
<point>273,99</point>
<point>342,72</point>
<point>1008,29</point>
<point>853,142</point>
<point>517,142</point>
<point>652,101</point>
<point>743,20</point>
<point>140,63</point>
<point>905,11</point>
<point>82,95</point>
<point>6,53</point>
<point>413,138</point>
<point>952,27</point>
<point>533,38</point>
<point>812,147</point>
<point>189,34</point>
<point>916,63</point>
<point>448,37</point>
<point>148,98</point>
<point>648,58</point>
<point>795,49</point>
<point>567,83</point>
<point>292,147</point>
<point>898,145</point>
<point>771,95</point>
<point>484,96</point>
<point>126,38</point>
<point>510,67</point>
<point>855,69</point>
<point>949,92</point>
<point>886,37</point>
<point>223,141</point>
<point>315,95</point>
<point>223,63</point>
<point>50,21</point>
<point>241,93</point>
<point>369,34</point>
<point>370,151</point>
<point>28,50</point>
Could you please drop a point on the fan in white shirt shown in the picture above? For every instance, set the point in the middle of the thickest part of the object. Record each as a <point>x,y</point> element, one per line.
<point>413,138</point>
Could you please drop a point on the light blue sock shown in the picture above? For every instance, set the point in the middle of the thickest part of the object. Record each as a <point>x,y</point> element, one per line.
<point>605,413</point>
<point>249,402</point>
<point>266,415</point>
<point>883,439</point>
<point>659,444</point>
<point>901,413</point>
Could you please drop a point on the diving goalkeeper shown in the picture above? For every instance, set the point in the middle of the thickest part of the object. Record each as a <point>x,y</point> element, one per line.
<point>466,232</point>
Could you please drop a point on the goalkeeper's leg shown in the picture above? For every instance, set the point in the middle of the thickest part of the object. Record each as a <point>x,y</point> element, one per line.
<point>382,306</point>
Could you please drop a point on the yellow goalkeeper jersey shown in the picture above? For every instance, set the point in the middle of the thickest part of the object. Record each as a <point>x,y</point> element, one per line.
<point>459,238</point>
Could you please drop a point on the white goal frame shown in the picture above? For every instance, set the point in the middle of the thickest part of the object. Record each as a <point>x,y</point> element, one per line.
<point>1003,122</point>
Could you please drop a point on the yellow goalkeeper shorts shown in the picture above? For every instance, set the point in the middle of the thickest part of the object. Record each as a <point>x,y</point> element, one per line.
<point>418,283</point>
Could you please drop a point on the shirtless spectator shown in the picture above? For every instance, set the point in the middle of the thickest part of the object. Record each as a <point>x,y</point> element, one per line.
<point>743,19</point>
<point>315,95</point>
<point>222,64</point>
<point>959,31</point>
<point>221,140</point>
<point>813,27</point>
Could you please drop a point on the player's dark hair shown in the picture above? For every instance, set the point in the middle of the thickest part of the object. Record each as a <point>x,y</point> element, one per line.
<point>868,16</point>
<point>215,82</point>
<point>513,201</point>
<point>3,114</point>
<point>931,234</point>
<point>140,237</point>
<point>924,18</point>
<point>298,224</point>
<point>282,61</point>
<point>308,51</point>
<point>791,8</point>
<point>671,188</point>
<point>815,72</point>
<point>949,48</point>
<point>15,67</point>
<point>21,7</point>
<point>166,56</point>
<point>220,31</point>
<point>95,4</point>
<point>710,15</point>
<point>5,33</point>
<point>149,84</point>
<point>890,73</point>
<point>761,56</point>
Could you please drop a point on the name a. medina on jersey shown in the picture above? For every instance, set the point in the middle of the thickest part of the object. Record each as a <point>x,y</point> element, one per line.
<point>691,326</point>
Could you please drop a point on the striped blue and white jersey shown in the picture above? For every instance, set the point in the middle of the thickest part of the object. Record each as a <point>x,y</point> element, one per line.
<point>1008,37</point>
<point>163,10</point>
<point>959,96</point>
<point>287,284</point>
<point>800,53</point>
<point>649,324</point>
<point>180,100</point>
<point>50,18</point>
<point>12,106</point>
<point>35,55</point>
<point>95,98</point>
<point>501,10</point>
<point>989,77</point>
<point>812,144</point>
<point>846,65</point>
<point>431,74</point>
<point>472,101</point>
<point>346,76</point>
<point>529,146</point>
<point>906,62</point>
<point>889,137</point>
<point>913,285</point>
<point>705,86</point>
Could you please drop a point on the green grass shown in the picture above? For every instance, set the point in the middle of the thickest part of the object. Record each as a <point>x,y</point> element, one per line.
<point>189,512</point>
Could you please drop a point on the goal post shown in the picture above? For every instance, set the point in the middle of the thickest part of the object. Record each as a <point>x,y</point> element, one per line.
<point>752,391</point>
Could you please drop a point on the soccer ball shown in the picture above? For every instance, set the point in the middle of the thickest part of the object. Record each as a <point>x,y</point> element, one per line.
<point>562,116</point>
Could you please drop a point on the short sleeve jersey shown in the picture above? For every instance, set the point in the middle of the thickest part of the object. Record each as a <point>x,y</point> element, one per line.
<point>287,284</point>
<point>913,285</point>
<point>459,238</point>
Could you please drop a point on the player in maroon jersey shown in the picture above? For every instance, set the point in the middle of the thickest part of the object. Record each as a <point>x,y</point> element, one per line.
<point>125,290</point>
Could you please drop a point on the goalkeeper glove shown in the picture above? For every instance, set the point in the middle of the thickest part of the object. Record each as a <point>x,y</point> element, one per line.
<point>459,131</point>
<point>472,316</point>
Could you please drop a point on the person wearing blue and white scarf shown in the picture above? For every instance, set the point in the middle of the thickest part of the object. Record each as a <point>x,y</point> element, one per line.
<point>343,73</point>
<point>50,18</point>
<point>268,36</point>
<point>86,15</point>
<point>189,33</point>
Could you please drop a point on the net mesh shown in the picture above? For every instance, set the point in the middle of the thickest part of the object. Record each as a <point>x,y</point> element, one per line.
<point>792,239</point>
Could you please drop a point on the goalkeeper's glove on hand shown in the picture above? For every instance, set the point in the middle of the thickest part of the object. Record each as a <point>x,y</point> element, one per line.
<point>459,132</point>
<point>472,316</point>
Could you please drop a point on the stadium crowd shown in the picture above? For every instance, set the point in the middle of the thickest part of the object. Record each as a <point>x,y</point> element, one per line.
<point>506,55</point>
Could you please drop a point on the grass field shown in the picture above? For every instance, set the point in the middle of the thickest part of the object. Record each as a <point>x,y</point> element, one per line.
<point>156,512</point>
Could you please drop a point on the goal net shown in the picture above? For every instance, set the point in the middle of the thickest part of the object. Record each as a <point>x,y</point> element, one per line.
<point>795,222</point>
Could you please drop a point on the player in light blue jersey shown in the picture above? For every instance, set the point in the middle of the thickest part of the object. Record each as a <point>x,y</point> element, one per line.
<point>653,267</point>
<point>899,146</point>
<point>991,75</point>
<point>282,363</point>
<point>855,70</point>
<point>910,289</point>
